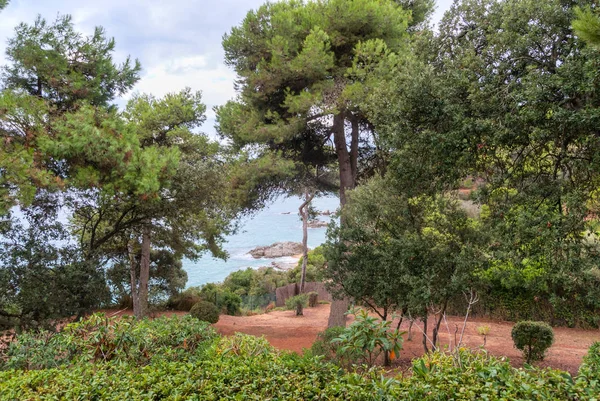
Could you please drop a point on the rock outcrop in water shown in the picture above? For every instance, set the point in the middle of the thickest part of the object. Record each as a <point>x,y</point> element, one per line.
<point>317,224</point>
<point>277,250</point>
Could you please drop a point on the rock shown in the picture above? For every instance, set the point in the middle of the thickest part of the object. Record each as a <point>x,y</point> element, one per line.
<point>284,266</point>
<point>317,224</point>
<point>325,213</point>
<point>277,250</point>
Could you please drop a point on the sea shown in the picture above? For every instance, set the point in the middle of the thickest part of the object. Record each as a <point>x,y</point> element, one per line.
<point>278,222</point>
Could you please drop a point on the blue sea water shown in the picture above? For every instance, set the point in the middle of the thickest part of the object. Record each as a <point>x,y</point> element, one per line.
<point>279,222</point>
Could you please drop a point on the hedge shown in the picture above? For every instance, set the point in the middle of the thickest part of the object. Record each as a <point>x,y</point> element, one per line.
<point>247,368</point>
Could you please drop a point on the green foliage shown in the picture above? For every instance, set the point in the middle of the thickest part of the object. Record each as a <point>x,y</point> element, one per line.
<point>300,300</point>
<point>325,347</point>
<point>294,62</point>
<point>397,252</point>
<point>167,277</point>
<point>255,281</point>
<point>41,281</point>
<point>367,338</point>
<point>57,81</point>
<point>468,376</point>
<point>589,371</point>
<point>533,339</point>
<point>314,268</point>
<point>222,298</point>
<point>483,330</point>
<point>63,66</point>
<point>238,367</point>
<point>185,300</point>
<point>313,298</point>
<point>98,338</point>
<point>587,26</point>
<point>205,311</point>
<point>116,359</point>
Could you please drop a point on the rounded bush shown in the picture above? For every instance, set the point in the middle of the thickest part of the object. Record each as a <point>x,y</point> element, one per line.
<point>205,311</point>
<point>183,302</point>
<point>533,339</point>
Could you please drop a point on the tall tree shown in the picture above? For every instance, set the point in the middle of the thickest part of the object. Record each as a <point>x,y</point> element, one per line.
<point>53,74</point>
<point>294,62</point>
<point>60,130</point>
<point>506,92</point>
<point>186,214</point>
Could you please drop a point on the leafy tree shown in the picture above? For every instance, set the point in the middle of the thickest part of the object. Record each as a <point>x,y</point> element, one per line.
<point>296,64</point>
<point>166,278</point>
<point>315,266</point>
<point>403,253</point>
<point>59,80</point>
<point>186,214</point>
<point>56,63</point>
<point>507,93</point>
<point>42,279</point>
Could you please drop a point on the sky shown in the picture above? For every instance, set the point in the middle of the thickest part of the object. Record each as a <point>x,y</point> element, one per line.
<point>178,42</point>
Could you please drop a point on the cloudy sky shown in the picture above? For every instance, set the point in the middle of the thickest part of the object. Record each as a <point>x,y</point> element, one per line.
<point>178,42</point>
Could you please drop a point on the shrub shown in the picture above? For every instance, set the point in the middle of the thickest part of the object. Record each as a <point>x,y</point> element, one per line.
<point>467,375</point>
<point>229,302</point>
<point>314,268</point>
<point>533,339</point>
<point>366,338</point>
<point>205,311</point>
<point>98,338</point>
<point>300,300</point>
<point>185,300</point>
<point>324,345</point>
<point>225,300</point>
<point>484,331</point>
<point>239,367</point>
<point>313,298</point>
<point>178,358</point>
<point>589,371</point>
<point>255,281</point>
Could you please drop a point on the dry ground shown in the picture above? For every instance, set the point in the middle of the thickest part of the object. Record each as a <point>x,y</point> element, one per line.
<point>286,331</point>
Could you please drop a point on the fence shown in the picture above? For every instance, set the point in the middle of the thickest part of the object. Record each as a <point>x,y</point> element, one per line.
<point>257,301</point>
<point>283,293</point>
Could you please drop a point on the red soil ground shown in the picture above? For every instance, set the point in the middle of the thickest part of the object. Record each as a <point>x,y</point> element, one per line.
<point>286,331</point>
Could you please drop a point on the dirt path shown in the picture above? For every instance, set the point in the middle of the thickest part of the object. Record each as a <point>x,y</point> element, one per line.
<point>286,331</point>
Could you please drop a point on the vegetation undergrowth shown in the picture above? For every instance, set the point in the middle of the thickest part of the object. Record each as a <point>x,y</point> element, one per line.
<point>183,358</point>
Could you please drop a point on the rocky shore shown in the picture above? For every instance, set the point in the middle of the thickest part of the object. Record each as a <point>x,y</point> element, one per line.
<point>277,250</point>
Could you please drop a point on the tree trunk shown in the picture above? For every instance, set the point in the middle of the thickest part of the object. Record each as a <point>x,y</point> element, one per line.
<point>144,273</point>
<point>425,335</point>
<point>304,213</point>
<point>345,158</point>
<point>337,313</point>
<point>436,328</point>
<point>133,277</point>
<point>338,309</point>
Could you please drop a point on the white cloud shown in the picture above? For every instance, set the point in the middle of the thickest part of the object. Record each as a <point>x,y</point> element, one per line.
<point>215,82</point>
